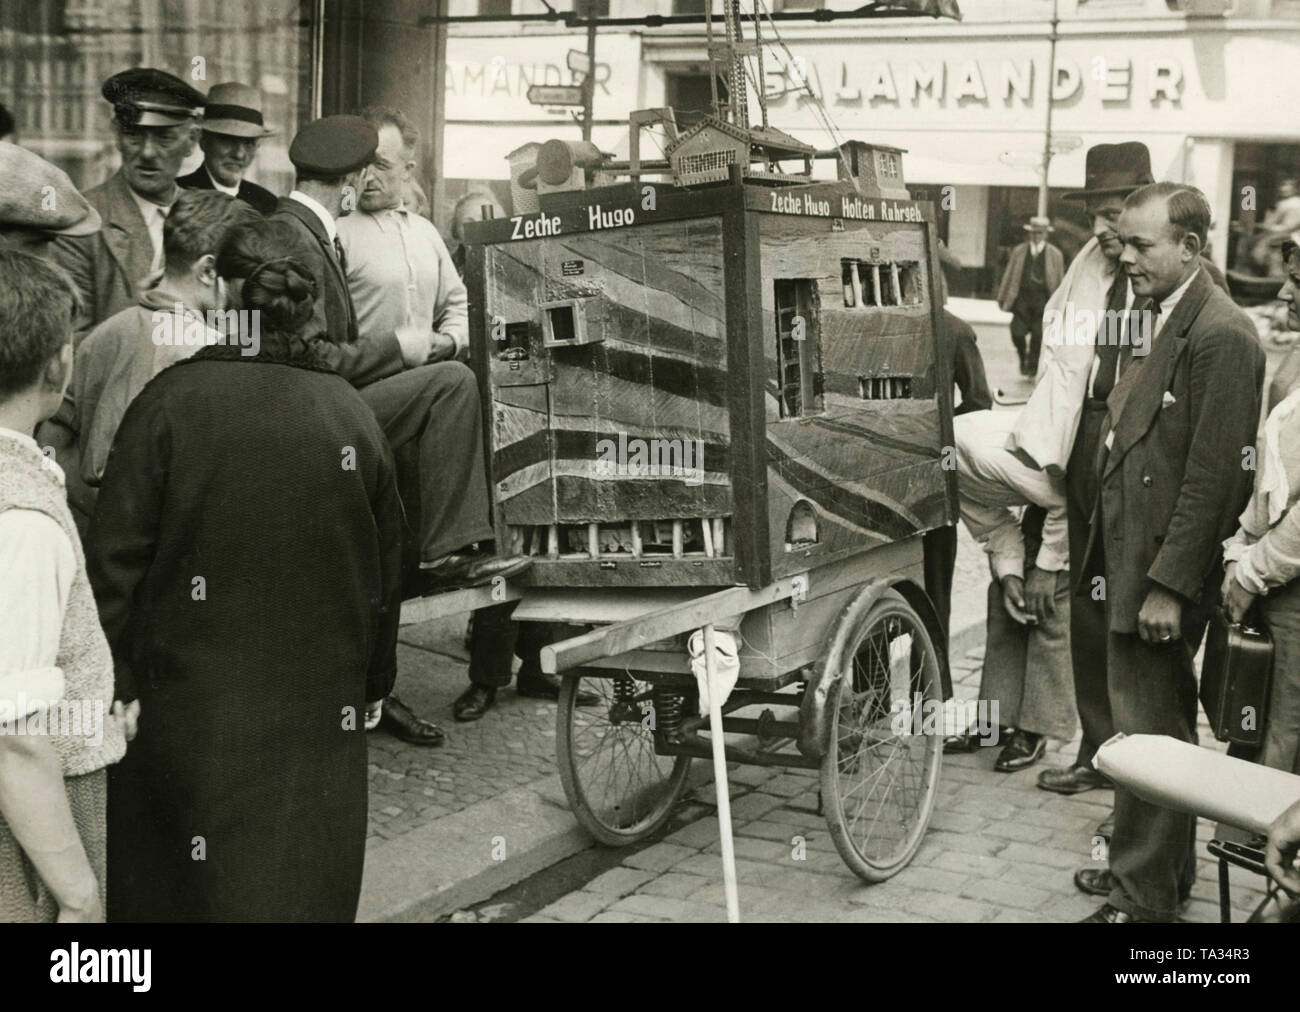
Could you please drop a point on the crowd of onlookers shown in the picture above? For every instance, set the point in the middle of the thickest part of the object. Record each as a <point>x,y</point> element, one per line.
<point>254,413</point>
<point>236,429</point>
<point>1127,503</point>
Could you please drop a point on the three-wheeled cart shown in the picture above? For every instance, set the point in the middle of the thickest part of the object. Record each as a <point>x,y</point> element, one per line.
<point>724,404</point>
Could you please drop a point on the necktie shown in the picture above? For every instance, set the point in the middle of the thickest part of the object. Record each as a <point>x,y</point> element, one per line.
<point>156,221</point>
<point>1107,347</point>
<point>1150,310</point>
<point>338,252</point>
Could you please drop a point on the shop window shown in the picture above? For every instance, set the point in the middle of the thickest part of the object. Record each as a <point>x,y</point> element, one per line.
<point>57,53</point>
<point>798,347</point>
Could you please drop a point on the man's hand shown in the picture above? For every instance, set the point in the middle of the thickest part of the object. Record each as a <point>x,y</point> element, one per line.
<point>128,715</point>
<point>1013,599</point>
<point>1236,598</point>
<point>87,910</point>
<point>441,348</point>
<point>416,345</point>
<point>1283,843</point>
<point>1040,593</point>
<point>1160,619</point>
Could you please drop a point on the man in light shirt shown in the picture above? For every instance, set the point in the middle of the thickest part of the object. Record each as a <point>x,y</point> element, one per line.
<point>399,270</point>
<point>54,660</point>
<point>1027,664</point>
<point>154,117</point>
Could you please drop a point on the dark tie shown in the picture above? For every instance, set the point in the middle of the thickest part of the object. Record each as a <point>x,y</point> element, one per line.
<point>1135,320</point>
<point>338,252</point>
<point>1107,347</point>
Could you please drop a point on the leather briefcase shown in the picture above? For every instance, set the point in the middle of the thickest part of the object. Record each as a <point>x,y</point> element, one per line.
<point>1235,679</point>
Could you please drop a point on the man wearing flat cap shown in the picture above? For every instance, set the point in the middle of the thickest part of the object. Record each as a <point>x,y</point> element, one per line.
<point>434,408</point>
<point>1033,272</point>
<point>38,203</point>
<point>154,117</point>
<point>231,130</point>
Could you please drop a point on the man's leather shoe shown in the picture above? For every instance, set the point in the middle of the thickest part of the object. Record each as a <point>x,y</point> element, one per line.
<point>1024,749</point>
<point>401,722</point>
<point>958,743</point>
<point>473,703</point>
<point>1072,780</point>
<point>1094,881</point>
<point>1106,827</point>
<point>534,684</point>
<point>1106,914</point>
<point>1100,881</point>
<point>469,569</point>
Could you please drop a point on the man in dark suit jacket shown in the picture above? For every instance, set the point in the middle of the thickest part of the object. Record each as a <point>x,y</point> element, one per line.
<point>231,130</point>
<point>1171,486</point>
<point>1034,271</point>
<point>435,406</point>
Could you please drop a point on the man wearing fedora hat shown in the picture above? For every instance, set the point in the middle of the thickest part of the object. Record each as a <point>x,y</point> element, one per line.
<point>1058,430</point>
<point>231,130</point>
<point>1032,275</point>
<point>154,118</point>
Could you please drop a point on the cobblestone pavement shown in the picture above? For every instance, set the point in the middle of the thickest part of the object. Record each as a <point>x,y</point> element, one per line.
<point>513,745</point>
<point>998,849</point>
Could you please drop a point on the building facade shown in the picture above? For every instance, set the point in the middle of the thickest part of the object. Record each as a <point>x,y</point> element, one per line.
<point>1203,82</point>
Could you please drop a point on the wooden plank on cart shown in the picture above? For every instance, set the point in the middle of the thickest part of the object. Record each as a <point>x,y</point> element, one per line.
<point>621,637</point>
<point>456,602</point>
<point>597,604</point>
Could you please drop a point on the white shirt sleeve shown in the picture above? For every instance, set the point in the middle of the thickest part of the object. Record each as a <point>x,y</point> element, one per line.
<point>37,567</point>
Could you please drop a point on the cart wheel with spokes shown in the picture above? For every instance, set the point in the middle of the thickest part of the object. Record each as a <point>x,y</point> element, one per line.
<point>878,779</point>
<point>618,788</point>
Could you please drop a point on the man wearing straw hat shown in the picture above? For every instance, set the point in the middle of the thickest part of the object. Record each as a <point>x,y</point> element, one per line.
<point>232,128</point>
<point>1033,273</point>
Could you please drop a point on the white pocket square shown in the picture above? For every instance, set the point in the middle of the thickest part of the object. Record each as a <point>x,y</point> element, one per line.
<point>1168,399</point>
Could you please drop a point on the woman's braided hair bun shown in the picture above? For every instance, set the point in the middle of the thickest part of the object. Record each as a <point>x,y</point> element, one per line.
<point>284,291</point>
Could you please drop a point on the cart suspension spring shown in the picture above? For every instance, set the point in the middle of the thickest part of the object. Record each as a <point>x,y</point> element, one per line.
<point>669,710</point>
<point>624,707</point>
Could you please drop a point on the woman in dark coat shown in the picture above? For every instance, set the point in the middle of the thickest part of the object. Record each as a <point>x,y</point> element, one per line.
<point>245,557</point>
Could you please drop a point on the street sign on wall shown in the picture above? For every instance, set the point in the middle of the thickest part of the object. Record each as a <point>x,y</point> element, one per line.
<point>555,94</point>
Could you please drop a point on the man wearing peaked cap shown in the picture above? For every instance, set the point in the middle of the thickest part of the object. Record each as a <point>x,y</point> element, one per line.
<point>331,156</point>
<point>39,202</point>
<point>432,407</point>
<point>231,130</point>
<point>154,117</point>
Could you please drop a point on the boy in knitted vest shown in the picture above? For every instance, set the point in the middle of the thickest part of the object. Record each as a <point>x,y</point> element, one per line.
<point>59,728</point>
